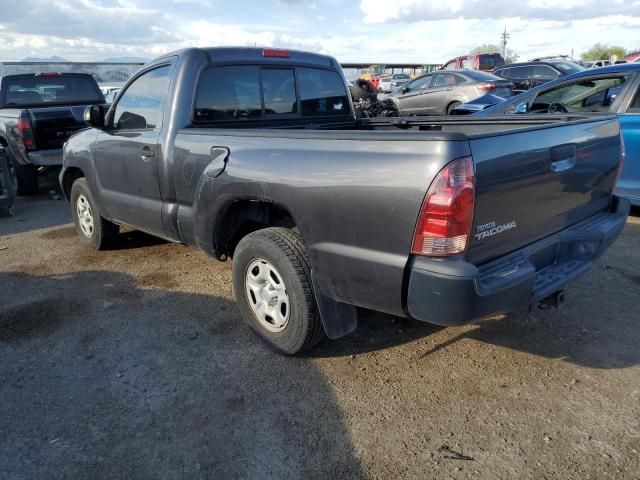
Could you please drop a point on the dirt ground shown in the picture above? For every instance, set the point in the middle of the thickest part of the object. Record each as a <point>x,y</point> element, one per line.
<point>134,363</point>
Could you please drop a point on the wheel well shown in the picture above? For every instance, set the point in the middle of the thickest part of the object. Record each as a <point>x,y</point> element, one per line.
<point>452,103</point>
<point>70,175</point>
<point>244,217</point>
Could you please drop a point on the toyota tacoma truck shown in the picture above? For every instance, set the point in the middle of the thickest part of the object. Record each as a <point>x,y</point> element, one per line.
<point>38,113</point>
<point>256,155</point>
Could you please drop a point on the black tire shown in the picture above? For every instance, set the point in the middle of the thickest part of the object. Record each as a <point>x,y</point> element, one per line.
<point>451,106</point>
<point>26,179</point>
<point>283,249</point>
<point>362,89</point>
<point>103,232</point>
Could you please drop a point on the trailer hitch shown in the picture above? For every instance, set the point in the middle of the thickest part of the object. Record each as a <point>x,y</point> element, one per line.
<point>554,300</point>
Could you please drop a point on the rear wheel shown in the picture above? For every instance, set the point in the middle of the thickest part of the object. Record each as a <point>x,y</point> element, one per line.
<point>452,106</point>
<point>272,285</point>
<point>94,231</point>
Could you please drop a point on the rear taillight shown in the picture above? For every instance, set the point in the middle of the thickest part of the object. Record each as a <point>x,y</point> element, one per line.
<point>445,219</point>
<point>486,87</point>
<point>25,131</point>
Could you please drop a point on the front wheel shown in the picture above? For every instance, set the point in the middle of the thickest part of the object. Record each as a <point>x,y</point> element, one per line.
<point>94,231</point>
<point>272,285</point>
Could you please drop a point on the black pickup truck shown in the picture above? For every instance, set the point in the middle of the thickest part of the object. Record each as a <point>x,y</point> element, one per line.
<point>38,113</point>
<point>256,155</point>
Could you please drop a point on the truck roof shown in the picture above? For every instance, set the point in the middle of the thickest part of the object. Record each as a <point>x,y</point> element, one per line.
<point>258,54</point>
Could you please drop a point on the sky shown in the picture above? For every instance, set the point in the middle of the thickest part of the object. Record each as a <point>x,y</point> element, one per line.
<point>376,31</point>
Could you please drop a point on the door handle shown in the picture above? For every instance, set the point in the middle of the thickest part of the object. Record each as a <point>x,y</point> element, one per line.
<point>563,157</point>
<point>146,152</point>
<point>449,89</point>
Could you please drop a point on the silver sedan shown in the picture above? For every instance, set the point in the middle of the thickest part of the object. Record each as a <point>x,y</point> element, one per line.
<point>440,92</point>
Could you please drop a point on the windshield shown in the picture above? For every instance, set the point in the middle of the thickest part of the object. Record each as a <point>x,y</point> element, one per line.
<point>401,76</point>
<point>31,91</point>
<point>568,67</point>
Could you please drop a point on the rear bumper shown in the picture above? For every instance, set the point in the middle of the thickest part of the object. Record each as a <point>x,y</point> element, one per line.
<point>455,292</point>
<point>46,158</point>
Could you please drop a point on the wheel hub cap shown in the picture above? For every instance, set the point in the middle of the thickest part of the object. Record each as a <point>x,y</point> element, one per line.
<point>267,295</point>
<point>85,216</point>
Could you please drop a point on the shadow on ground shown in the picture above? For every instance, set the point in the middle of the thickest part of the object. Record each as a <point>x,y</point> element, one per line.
<point>103,379</point>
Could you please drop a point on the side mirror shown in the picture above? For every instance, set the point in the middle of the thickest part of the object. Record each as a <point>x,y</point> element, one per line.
<point>94,116</point>
<point>521,108</point>
<point>404,89</point>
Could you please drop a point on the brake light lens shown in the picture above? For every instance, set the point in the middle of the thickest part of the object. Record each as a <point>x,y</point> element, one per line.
<point>444,224</point>
<point>25,131</point>
<point>273,52</point>
<point>486,87</point>
<point>47,74</point>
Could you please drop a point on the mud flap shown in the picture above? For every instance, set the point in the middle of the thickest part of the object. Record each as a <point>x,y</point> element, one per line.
<point>339,319</point>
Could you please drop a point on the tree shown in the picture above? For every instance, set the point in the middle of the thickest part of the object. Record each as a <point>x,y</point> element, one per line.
<point>485,48</point>
<point>602,51</point>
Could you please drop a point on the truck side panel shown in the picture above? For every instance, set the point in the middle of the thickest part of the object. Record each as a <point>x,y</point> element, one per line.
<point>355,202</point>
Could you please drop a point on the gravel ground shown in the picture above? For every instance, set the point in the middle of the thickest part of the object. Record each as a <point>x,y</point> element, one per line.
<point>134,363</point>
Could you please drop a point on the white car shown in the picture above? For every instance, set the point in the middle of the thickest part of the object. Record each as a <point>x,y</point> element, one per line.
<point>394,81</point>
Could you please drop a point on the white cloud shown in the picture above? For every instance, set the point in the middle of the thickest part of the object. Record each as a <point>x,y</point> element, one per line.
<point>384,11</point>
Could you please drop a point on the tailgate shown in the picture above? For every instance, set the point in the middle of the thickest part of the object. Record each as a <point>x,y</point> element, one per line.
<point>53,126</point>
<point>533,183</point>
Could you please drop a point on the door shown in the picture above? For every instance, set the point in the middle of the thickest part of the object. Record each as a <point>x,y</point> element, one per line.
<point>629,180</point>
<point>441,93</point>
<point>127,154</point>
<point>411,99</point>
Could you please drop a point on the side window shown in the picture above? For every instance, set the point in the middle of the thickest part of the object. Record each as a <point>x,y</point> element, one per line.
<point>141,106</point>
<point>229,93</point>
<point>521,73</point>
<point>420,83</point>
<point>279,90</point>
<point>444,79</point>
<point>322,92</point>
<point>583,95</point>
<point>544,72</point>
<point>504,73</point>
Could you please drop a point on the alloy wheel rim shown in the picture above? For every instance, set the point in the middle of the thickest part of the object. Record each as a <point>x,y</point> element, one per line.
<point>267,295</point>
<point>85,216</point>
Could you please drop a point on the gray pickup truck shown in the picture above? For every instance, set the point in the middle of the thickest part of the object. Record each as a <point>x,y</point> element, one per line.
<point>256,155</point>
<point>38,113</point>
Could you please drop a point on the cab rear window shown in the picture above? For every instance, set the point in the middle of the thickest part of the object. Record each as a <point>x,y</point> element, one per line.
<point>52,89</point>
<point>241,93</point>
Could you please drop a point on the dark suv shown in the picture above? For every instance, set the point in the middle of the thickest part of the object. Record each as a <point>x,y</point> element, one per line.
<point>528,75</point>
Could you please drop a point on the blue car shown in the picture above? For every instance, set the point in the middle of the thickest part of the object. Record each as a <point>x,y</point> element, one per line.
<point>614,89</point>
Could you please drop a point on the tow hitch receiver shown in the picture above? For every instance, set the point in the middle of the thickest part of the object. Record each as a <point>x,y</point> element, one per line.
<point>554,300</point>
